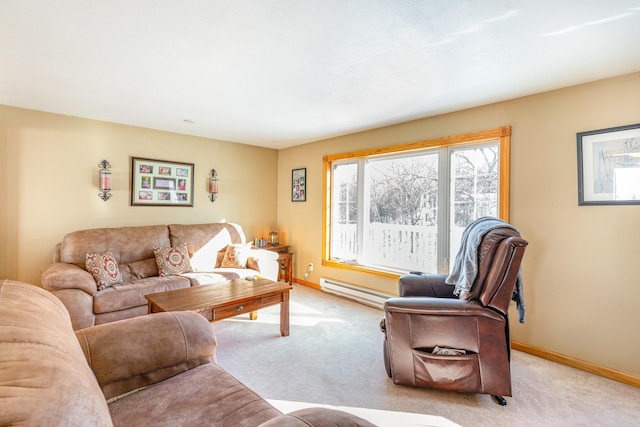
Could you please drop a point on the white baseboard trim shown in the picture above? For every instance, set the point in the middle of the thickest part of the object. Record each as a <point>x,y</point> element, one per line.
<point>357,293</point>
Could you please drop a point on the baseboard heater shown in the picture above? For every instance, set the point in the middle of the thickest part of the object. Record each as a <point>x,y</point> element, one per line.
<point>362,295</point>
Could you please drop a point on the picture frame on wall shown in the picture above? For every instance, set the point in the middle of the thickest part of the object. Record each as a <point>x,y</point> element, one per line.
<point>161,182</point>
<point>609,166</point>
<point>299,185</point>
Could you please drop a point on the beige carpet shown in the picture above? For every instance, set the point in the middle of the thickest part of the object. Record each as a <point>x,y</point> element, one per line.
<point>334,357</point>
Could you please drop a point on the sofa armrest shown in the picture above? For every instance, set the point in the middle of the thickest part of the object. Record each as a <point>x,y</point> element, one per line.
<point>75,287</point>
<point>79,304</point>
<point>59,276</point>
<point>267,262</point>
<point>133,353</point>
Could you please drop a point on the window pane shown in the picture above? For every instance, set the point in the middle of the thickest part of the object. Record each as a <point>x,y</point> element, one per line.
<point>474,189</point>
<point>344,229</point>
<point>404,208</point>
<point>402,195</point>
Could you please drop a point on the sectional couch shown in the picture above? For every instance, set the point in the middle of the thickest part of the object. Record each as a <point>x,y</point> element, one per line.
<point>155,370</point>
<point>102,275</point>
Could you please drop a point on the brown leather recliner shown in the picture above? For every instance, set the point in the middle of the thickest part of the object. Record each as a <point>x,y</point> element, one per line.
<point>428,315</point>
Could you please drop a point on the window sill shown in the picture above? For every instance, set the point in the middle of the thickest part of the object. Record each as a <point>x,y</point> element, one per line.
<point>361,269</point>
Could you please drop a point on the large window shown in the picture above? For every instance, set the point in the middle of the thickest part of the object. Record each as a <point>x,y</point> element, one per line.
<point>404,208</point>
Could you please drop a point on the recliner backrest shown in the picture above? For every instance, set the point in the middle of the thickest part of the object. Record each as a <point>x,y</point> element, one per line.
<point>501,280</point>
<point>499,257</point>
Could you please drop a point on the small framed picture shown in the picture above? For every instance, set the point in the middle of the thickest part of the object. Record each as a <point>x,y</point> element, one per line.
<point>299,185</point>
<point>609,166</point>
<point>161,183</point>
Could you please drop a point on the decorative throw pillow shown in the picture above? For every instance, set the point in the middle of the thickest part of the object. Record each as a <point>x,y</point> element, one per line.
<point>220,257</point>
<point>104,269</point>
<point>236,255</point>
<point>253,263</point>
<point>172,261</point>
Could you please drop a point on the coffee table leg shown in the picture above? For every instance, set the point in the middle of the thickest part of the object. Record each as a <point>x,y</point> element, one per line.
<point>284,315</point>
<point>253,315</point>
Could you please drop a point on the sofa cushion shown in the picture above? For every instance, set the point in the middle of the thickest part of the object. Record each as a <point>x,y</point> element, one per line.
<point>139,269</point>
<point>104,269</point>
<point>204,241</point>
<point>317,417</point>
<point>204,259</point>
<point>236,255</point>
<point>219,276</point>
<point>189,398</point>
<point>129,245</point>
<point>131,294</point>
<point>253,263</point>
<point>198,235</point>
<point>46,378</point>
<point>173,260</point>
<point>114,316</point>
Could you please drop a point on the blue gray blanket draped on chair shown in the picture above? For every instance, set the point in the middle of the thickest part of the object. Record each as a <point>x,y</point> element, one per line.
<point>465,266</point>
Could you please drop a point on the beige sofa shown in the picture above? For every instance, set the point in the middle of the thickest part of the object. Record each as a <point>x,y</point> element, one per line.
<point>132,250</point>
<point>156,370</point>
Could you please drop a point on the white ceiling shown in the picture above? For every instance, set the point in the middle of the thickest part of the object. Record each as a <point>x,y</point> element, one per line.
<point>278,73</point>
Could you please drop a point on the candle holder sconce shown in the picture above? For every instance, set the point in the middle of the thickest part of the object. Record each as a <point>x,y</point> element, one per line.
<point>105,180</point>
<point>273,238</point>
<point>213,185</point>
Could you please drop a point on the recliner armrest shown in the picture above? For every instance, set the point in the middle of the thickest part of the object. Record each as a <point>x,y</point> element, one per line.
<point>439,306</point>
<point>428,285</point>
<point>133,353</point>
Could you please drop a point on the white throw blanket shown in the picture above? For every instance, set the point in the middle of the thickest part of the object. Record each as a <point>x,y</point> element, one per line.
<point>465,266</point>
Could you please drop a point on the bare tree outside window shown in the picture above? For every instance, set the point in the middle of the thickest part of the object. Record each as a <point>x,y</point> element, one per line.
<point>404,208</point>
<point>404,190</point>
<point>402,196</point>
<point>474,190</point>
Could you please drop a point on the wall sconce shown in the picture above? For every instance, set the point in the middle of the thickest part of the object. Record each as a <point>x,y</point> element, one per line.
<point>213,185</point>
<point>105,180</point>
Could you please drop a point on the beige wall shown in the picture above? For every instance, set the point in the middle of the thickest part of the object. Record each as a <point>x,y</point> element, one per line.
<point>49,183</point>
<point>580,269</point>
<point>580,278</point>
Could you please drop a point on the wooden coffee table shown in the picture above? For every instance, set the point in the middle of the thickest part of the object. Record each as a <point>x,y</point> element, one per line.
<point>217,302</point>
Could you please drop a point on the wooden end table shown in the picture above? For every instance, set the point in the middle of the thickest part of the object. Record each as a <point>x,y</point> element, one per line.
<point>235,297</point>
<point>285,261</point>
